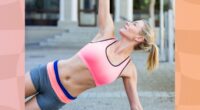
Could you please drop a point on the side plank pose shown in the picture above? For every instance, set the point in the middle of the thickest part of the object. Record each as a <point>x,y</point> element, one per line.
<point>59,82</point>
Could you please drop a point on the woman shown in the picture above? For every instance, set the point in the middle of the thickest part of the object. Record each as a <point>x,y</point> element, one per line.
<point>100,62</point>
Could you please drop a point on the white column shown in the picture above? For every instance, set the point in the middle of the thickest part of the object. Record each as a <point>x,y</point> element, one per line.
<point>173,5</point>
<point>162,51</point>
<point>129,10</point>
<point>65,13</point>
<point>74,13</point>
<point>171,36</point>
<point>152,13</point>
<point>117,10</point>
<point>62,10</point>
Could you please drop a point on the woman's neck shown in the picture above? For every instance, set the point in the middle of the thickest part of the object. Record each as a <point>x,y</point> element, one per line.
<point>123,47</point>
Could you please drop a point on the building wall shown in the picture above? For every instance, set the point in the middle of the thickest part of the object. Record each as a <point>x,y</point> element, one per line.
<point>65,16</point>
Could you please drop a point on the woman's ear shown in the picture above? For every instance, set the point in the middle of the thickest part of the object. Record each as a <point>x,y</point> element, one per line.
<point>139,39</point>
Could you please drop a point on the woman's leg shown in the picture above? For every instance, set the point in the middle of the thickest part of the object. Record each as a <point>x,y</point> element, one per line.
<point>39,85</point>
<point>29,87</point>
<point>32,104</point>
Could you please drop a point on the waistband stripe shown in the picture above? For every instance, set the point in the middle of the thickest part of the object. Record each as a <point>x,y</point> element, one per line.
<point>59,82</point>
<point>55,85</point>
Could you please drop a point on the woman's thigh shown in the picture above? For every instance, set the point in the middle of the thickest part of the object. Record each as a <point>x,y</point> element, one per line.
<point>29,87</point>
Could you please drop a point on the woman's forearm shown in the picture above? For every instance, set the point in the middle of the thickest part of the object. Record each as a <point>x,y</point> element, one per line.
<point>104,8</point>
<point>103,12</point>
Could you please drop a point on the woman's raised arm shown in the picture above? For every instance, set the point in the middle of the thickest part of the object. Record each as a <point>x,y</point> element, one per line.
<point>105,22</point>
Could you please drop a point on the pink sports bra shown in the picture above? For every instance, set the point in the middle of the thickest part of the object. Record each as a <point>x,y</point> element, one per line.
<point>94,55</point>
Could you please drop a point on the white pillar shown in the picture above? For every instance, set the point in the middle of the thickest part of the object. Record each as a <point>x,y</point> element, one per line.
<point>117,10</point>
<point>171,36</point>
<point>74,11</point>
<point>62,10</point>
<point>162,51</point>
<point>173,5</point>
<point>173,9</point>
<point>152,13</point>
<point>65,13</point>
<point>129,10</point>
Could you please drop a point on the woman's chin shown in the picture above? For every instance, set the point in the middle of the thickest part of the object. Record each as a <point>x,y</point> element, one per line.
<point>121,32</point>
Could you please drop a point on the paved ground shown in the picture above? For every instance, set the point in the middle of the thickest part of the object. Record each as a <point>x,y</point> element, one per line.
<point>156,91</point>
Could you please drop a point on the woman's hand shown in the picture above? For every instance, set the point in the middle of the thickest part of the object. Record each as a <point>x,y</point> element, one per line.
<point>130,83</point>
<point>135,108</point>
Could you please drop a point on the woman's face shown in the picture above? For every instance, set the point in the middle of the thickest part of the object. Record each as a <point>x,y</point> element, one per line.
<point>131,30</point>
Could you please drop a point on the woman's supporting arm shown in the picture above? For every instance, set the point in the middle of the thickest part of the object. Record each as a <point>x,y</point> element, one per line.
<point>105,21</point>
<point>130,84</point>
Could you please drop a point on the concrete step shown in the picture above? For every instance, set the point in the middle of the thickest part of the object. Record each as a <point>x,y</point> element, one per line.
<point>71,38</point>
<point>68,39</point>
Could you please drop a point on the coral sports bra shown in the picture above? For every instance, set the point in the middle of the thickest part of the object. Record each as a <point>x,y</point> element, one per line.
<point>94,55</point>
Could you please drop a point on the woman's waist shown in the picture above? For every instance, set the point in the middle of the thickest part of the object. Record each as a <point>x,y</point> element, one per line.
<point>77,85</point>
<point>74,76</point>
<point>76,82</point>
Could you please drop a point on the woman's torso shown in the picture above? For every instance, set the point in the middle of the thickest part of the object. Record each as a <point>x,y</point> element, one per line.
<point>75,75</point>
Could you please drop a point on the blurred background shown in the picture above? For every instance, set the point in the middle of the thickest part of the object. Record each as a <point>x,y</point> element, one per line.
<point>57,29</point>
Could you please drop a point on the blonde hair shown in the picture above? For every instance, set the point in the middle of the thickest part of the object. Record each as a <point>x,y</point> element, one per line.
<point>149,45</point>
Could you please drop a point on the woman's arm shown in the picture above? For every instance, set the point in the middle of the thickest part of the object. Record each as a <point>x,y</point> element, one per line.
<point>105,22</point>
<point>130,84</point>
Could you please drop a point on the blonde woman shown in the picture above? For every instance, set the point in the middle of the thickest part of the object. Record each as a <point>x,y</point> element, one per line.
<point>100,62</point>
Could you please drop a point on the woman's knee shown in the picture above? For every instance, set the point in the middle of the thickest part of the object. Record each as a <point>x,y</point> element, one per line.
<point>32,104</point>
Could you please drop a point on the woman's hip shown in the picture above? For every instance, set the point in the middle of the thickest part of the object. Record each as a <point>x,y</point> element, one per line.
<point>47,98</point>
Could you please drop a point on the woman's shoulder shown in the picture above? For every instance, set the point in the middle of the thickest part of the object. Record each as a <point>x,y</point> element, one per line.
<point>130,70</point>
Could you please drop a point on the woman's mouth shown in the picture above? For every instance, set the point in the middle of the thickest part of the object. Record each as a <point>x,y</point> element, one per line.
<point>125,27</point>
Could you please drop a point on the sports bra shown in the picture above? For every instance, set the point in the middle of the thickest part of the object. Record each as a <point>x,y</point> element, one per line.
<point>94,56</point>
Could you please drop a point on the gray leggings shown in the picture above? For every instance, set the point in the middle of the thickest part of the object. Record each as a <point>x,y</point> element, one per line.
<point>46,97</point>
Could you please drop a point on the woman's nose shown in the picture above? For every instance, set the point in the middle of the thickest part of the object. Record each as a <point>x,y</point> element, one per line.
<point>128,23</point>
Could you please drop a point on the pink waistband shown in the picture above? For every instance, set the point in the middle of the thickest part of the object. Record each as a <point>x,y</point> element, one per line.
<point>54,84</point>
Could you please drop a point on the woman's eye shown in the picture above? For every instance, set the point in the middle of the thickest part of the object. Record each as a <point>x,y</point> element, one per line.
<point>135,23</point>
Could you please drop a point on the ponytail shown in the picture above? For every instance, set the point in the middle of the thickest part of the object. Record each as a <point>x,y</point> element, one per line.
<point>153,58</point>
<point>149,45</point>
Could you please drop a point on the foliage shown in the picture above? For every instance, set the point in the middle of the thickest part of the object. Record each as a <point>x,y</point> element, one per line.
<point>143,5</point>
